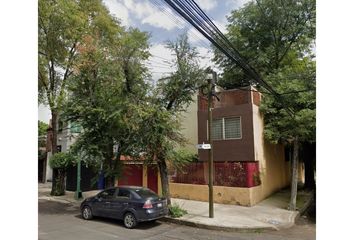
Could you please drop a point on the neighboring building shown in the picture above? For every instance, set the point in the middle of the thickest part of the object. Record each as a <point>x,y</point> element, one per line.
<point>137,173</point>
<point>66,136</point>
<point>247,168</point>
<point>42,158</point>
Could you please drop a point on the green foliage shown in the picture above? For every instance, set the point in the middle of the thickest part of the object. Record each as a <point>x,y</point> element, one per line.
<point>277,38</point>
<point>107,97</point>
<point>160,132</point>
<point>42,128</point>
<point>181,158</point>
<point>279,126</point>
<point>176,211</point>
<point>269,34</point>
<point>176,90</point>
<point>61,160</point>
<point>42,134</point>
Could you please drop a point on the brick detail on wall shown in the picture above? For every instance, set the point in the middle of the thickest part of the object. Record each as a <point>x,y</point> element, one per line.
<point>229,174</point>
<point>256,98</point>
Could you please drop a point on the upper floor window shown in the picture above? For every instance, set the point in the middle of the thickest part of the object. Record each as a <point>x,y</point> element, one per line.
<point>226,128</point>
<point>217,129</point>
<point>232,128</point>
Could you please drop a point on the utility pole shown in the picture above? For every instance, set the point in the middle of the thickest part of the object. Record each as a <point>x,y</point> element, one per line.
<point>211,77</point>
<point>78,193</point>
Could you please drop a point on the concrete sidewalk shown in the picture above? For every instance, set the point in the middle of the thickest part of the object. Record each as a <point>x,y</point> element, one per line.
<point>270,214</point>
<point>69,197</point>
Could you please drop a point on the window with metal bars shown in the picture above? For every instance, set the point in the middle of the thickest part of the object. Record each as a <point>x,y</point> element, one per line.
<point>232,128</point>
<point>217,129</point>
<point>226,128</point>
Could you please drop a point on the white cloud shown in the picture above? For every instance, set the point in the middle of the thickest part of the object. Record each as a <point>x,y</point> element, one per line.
<point>206,4</point>
<point>118,10</point>
<point>152,15</point>
<point>221,26</point>
<point>206,55</point>
<point>144,11</point>
<point>44,113</point>
<point>160,61</point>
<point>160,20</point>
<point>194,36</point>
<point>162,57</point>
<point>235,4</point>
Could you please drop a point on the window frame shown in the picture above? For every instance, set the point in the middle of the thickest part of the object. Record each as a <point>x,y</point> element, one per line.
<point>223,129</point>
<point>123,197</point>
<point>107,190</point>
<point>240,128</point>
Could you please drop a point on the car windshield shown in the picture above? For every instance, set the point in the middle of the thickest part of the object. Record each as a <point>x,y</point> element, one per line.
<point>145,193</point>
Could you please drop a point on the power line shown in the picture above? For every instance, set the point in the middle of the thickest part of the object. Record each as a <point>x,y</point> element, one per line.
<point>179,24</point>
<point>190,11</point>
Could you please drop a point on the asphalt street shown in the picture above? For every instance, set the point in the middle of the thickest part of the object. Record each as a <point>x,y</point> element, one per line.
<point>63,221</point>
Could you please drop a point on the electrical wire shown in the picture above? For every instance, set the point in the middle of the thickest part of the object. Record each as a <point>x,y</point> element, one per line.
<point>190,11</point>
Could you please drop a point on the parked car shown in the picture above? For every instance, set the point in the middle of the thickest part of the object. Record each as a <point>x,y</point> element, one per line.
<point>131,204</point>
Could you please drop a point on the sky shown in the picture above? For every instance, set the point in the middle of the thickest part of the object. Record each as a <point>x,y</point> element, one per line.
<point>157,18</point>
<point>163,24</point>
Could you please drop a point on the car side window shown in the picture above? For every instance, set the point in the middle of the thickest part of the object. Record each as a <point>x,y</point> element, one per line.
<point>123,194</point>
<point>108,194</point>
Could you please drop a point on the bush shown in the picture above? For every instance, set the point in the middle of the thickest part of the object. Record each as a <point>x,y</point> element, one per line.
<point>61,160</point>
<point>176,211</point>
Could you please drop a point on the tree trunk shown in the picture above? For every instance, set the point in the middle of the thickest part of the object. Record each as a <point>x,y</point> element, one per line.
<point>58,185</point>
<point>294,176</point>
<point>110,180</point>
<point>164,179</point>
<point>58,181</point>
<point>309,161</point>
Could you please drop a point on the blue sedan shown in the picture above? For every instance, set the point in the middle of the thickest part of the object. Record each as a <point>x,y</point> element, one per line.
<point>131,204</point>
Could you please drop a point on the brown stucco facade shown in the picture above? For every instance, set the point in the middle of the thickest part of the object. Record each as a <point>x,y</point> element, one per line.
<point>252,147</point>
<point>233,103</point>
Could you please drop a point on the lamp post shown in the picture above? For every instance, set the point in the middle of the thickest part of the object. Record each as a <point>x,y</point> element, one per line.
<point>78,193</point>
<point>211,77</point>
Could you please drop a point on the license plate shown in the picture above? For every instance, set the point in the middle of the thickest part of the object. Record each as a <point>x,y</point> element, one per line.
<point>159,205</point>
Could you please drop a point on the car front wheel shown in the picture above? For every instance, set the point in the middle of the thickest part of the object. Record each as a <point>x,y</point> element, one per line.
<point>86,213</point>
<point>129,220</point>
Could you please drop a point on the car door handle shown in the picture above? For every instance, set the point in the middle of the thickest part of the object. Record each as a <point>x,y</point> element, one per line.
<point>108,202</point>
<point>125,203</point>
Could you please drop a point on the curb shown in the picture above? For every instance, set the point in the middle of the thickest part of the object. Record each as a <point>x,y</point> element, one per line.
<point>218,228</point>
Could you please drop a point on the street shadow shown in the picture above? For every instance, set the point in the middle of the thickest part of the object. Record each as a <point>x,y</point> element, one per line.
<point>115,222</point>
<point>55,208</point>
<point>309,217</point>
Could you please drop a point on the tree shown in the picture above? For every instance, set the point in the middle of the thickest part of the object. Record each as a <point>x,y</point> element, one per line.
<point>42,128</point>
<point>60,161</point>
<point>269,34</point>
<point>300,127</point>
<point>42,133</point>
<point>62,25</point>
<point>106,98</point>
<point>172,96</point>
<point>277,37</point>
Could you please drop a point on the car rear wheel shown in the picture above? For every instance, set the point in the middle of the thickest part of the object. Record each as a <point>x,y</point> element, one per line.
<point>129,220</point>
<point>86,213</point>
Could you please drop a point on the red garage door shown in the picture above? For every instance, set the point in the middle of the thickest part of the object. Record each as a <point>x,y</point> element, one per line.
<point>152,178</point>
<point>132,175</point>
